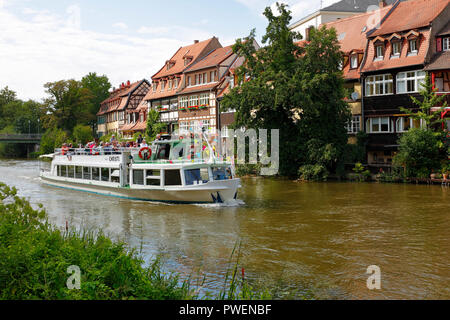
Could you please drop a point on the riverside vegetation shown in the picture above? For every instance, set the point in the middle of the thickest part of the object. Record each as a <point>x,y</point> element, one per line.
<point>36,255</point>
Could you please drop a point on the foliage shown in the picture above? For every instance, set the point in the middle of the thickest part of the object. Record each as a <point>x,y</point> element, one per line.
<point>154,127</point>
<point>361,172</point>
<point>420,152</point>
<point>99,87</point>
<point>429,99</point>
<point>53,138</point>
<point>82,134</point>
<point>355,153</point>
<point>396,174</point>
<point>10,150</point>
<point>313,172</point>
<point>297,89</point>
<point>247,169</point>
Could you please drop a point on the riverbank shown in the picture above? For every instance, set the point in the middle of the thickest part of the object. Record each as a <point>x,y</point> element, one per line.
<point>37,257</point>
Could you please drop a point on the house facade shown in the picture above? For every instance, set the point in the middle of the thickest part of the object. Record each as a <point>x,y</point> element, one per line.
<point>114,111</point>
<point>352,33</point>
<point>393,70</point>
<point>170,80</point>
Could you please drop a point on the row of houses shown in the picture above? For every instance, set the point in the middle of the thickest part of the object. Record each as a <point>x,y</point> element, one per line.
<point>186,91</point>
<point>387,54</point>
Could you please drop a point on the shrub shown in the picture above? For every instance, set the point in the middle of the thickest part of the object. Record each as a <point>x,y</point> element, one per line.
<point>82,134</point>
<point>419,152</point>
<point>315,172</point>
<point>53,138</point>
<point>363,175</point>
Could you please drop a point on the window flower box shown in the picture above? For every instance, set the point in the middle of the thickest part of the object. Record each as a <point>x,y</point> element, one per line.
<point>203,106</point>
<point>193,107</point>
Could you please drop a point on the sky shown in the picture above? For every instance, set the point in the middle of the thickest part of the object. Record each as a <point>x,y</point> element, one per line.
<point>49,40</point>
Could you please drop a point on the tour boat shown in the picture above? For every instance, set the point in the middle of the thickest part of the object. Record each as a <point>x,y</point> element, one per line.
<point>160,173</point>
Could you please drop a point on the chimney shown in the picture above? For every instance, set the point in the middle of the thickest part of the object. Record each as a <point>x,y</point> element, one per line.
<point>382,4</point>
<point>196,41</point>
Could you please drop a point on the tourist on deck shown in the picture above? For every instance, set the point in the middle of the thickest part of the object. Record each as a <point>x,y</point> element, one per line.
<point>140,139</point>
<point>144,144</point>
<point>113,138</point>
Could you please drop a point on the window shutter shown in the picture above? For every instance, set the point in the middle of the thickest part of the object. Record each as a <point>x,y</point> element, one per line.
<point>439,44</point>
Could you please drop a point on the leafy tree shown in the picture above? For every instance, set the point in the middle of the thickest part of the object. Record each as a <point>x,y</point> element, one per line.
<point>67,103</point>
<point>82,134</point>
<point>6,96</point>
<point>420,152</point>
<point>297,89</point>
<point>52,139</point>
<point>154,126</point>
<point>99,87</point>
<point>429,100</point>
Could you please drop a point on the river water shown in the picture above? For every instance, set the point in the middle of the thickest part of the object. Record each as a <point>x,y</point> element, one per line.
<point>319,236</point>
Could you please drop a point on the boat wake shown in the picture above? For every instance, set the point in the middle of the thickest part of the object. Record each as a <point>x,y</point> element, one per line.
<point>227,204</point>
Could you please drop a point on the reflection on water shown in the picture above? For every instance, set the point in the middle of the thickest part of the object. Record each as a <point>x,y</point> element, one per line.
<point>321,234</point>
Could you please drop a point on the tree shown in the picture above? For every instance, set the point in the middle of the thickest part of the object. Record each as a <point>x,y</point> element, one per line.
<point>99,87</point>
<point>6,96</point>
<point>420,152</point>
<point>67,102</point>
<point>297,89</point>
<point>82,134</point>
<point>154,126</point>
<point>429,100</point>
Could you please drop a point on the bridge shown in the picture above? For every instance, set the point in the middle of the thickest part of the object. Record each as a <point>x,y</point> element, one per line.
<point>21,138</point>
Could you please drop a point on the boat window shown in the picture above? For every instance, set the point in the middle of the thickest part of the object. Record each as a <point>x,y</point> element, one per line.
<point>222,173</point>
<point>79,172</point>
<point>153,173</point>
<point>63,171</point>
<point>105,174</point>
<point>96,174</point>
<point>115,176</point>
<point>58,171</point>
<point>172,178</point>
<point>163,152</point>
<point>196,176</point>
<point>154,182</point>
<point>138,177</point>
<point>86,173</point>
<point>71,172</point>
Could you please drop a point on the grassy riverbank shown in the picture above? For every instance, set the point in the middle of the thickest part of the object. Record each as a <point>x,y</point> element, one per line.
<point>36,257</point>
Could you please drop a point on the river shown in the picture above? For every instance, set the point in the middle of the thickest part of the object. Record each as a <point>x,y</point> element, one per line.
<point>320,236</point>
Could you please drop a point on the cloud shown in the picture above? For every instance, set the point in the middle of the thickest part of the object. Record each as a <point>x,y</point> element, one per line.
<point>42,47</point>
<point>120,25</point>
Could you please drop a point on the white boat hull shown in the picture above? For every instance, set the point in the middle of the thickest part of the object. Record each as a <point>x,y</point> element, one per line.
<point>211,192</point>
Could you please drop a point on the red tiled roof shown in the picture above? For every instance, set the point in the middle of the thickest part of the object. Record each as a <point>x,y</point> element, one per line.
<point>352,35</point>
<point>140,126</point>
<point>440,61</point>
<point>403,61</point>
<point>193,51</point>
<point>127,127</point>
<point>211,60</point>
<point>204,87</point>
<point>121,96</point>
<point>445,31</point>
<point>411,14</point>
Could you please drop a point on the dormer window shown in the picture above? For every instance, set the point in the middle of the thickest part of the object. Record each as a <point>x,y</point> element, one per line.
<point>413,46</point>
<point>170,84</point>
<point>354,61</point>
<point>396,48</point>
<point>163,84</point>
<point>155,85</point>
<point>176,83</point>
<point>379,52</point>
<point>446,44</point>
<point>187,60</point>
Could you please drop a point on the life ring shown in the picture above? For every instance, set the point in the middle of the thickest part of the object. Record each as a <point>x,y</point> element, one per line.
<point>147,155</point>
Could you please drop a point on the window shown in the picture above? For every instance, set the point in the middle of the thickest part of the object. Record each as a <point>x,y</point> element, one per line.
<point>184,126</point>
<point>413,46</point>
<point>446,44</point>
<point>153,178</point>
<point>379,52</point>
<point>96,174</point>
<point>396,48</point>
<point>379,85</point>
<point>354,125</point>
<point>170,84</point>
<point>196,176</point>
<point>184,102</point>
<point>176,83</point>
<point>172,178</point>
<point>105,174</point>
<point>79,172</point>
<point>378,125</point>
<point>86,173</point>
<point>204,99</point>
<point>163,83</point>
<point>138,177</point>
<point>200,81</point>
<point>193,101</point>
<point>71,172</point>
<point>410,81</point>
<point>196,80</point>
<point>222,174</point>
<point>354,61</point>
<point>404,124</point>
<point>188,81</point>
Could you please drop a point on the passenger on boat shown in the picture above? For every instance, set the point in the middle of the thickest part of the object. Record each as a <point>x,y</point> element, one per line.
<point>113,138</point>
<point>108,150</point>
<point>140,139</point>
<point>144,144</point>
<point>64,149</point>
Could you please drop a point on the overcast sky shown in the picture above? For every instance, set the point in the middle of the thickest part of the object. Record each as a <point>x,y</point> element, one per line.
<point>49,40</point>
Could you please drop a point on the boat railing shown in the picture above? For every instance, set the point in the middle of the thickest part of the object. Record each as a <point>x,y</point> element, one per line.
<point>94,151</point>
